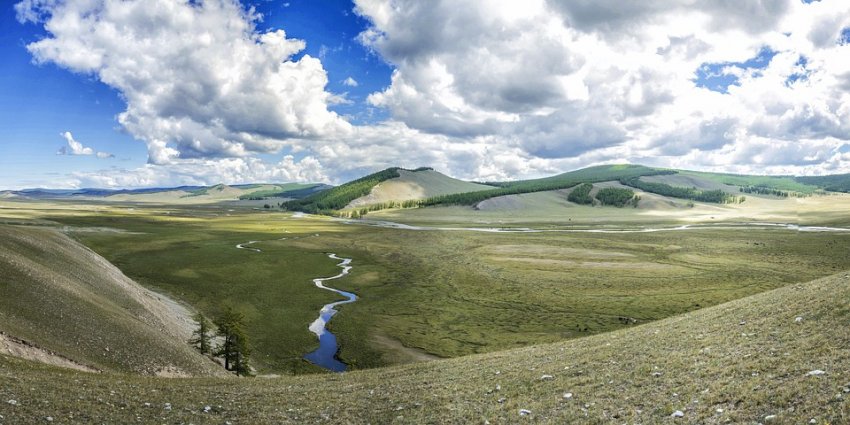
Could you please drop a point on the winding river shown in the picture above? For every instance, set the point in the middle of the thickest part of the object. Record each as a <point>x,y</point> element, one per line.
<point>325,355</point>
<point>786,226</point>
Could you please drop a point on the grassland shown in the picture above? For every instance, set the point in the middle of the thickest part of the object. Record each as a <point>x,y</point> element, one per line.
<point>286,190</point>
<point>447,293</point>
<point>747,361</point>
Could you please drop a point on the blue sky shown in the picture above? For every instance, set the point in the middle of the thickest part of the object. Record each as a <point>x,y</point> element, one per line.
<point>478,89</point>
<point>38,102</point>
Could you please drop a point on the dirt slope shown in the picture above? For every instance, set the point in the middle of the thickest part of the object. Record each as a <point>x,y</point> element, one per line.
<point>60,298</point>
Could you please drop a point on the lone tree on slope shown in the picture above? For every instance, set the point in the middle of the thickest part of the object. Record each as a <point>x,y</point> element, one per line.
<point>234,348</point>
<point>202,335</point>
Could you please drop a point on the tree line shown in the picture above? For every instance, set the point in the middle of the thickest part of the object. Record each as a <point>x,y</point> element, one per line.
<point>581,194</point>
<point>233,347</point>
<point>618,197</point>
<point>761,190</point>
<point>329,201</point>
<point>716,196</point>
<point>596,174</point>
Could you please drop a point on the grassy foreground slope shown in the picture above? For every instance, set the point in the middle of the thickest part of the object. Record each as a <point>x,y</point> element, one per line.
<point>59,296</point>
<point>778,357</point>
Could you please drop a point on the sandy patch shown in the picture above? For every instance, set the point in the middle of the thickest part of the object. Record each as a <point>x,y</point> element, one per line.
<point>410,353</point>
<point>12,346</point>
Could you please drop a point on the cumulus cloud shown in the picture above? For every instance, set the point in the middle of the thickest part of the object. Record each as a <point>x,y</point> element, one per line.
<point>76,148</point>
<point>204,172</point>
<point>606,80</point>
<point>484,89</point>
<point>199,80</point>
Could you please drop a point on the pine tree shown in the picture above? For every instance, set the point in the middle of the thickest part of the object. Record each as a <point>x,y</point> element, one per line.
<point>242,354</point>
<point>201,335</point>
<point>234,348</point>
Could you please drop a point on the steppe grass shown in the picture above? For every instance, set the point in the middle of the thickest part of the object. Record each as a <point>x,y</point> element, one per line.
<point>450,293</point>
<point>780,357</point>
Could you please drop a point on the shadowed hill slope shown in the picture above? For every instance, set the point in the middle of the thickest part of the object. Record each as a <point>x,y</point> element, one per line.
<point>61,297</point>
<point>778,357</point>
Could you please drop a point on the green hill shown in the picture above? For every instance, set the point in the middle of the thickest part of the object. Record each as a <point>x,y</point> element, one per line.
<point>778,357</point>
<point>338,197</point>
<point>415,185</point>
<point>595,174</point>
<point>286,190</point>
<point>833,183</point>
<point>60,298</point>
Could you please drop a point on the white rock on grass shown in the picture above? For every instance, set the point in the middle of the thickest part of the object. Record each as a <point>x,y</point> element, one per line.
<point>547,378</point>
<point>798,319</point>
<point>13,402</point>
<point>524,412</point>
<point>816,372</point>
<point>769,418</point>
<point>678,414</point>
<point>568,396</point>
<point>207,409</point>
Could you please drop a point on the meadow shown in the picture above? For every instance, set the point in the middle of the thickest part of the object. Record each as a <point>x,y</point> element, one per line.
<point>445,293</point>
<point>747,361</point>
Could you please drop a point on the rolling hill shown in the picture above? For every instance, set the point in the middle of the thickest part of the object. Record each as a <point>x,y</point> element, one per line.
<point>415,185</point>
<point>383,186</point>
<point>59,300</point>
<point>778,357</point>
<point>174,195</point>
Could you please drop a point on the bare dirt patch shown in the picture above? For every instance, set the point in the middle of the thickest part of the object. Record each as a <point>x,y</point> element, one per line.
<point>12,346</point>
<point>411,354</point>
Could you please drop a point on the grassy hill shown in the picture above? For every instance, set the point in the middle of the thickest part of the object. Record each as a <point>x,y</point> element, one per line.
<point>411,185</point>
<point>787,183</point>
<point>63,300</point>
<point>833,183</point>
<point>287,190</point>
<point>595,174</point>
<point>778,357</point>
<point>174,195</point>
<point>338,197</point>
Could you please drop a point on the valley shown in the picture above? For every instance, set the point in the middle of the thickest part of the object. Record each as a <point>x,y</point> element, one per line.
<point>492,282</point>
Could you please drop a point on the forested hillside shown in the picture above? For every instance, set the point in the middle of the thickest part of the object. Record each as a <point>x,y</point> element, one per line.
<point>338,197</point>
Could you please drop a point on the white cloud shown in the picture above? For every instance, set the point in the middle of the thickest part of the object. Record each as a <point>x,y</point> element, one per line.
<point>199,80</point>
<point>484,89</point>
<point>612,81</point>
<point>76,148</point>
<point>204,172</point>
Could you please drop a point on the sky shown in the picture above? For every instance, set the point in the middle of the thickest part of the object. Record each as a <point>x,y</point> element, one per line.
<point>157,93</point>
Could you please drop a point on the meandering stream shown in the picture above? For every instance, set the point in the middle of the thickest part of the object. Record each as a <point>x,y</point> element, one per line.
<point>325,355</point>
<point>787,226</point>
